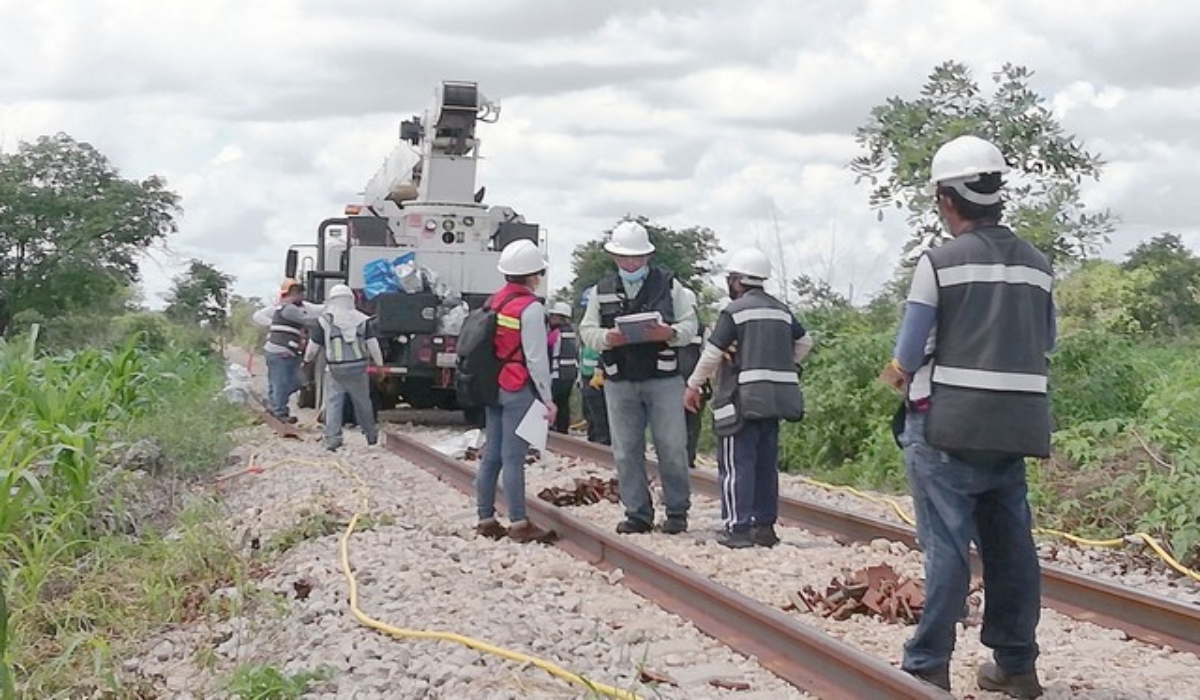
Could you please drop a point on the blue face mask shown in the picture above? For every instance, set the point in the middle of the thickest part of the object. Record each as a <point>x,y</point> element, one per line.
<point>636,276</point>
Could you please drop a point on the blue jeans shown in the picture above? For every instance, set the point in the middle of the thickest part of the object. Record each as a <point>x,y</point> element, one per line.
<point>283,380</point>
<point>957,502</point>
<point>504,451</point>
<point>348,380</point>
<point>748,469</point>
<point>631,407</point>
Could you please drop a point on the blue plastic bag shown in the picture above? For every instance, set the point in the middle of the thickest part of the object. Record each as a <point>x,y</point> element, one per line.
<point>379,277</point>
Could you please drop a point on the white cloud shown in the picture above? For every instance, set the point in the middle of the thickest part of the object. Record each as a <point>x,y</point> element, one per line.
<point>268,117</point>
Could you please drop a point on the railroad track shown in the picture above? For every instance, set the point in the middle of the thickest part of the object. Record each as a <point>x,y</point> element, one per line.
<point>802,656</point>
<point>1146,617</point>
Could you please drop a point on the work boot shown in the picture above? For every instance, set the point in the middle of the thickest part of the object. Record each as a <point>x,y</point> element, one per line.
<point>735,540</point>
<point>674,524</point>
<point>1014,685</point>
<point>523,531</point>
<point>764,536</point>
<point>933,676</point>
<point>491,529</point>
<point>633,526</point>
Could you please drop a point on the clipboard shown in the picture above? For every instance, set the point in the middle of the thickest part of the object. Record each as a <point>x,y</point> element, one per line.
<point>635,326</point>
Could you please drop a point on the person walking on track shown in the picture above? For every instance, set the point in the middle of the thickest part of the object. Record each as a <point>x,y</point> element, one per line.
<point>564,364</point>
<point>347,337</point>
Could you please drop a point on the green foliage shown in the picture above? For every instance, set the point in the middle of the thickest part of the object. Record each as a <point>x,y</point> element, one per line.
<point>71,228</point>
<point>687,253</point>
<point>1099,296</point>
<point>1167,287</point>
<point>266,682</point>
<point>902,135</point>
<point>199,296</point>
<point>1096,376</point>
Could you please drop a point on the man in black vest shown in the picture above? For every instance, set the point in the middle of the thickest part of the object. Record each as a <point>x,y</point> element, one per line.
<point>971,361</point>
<point>642,383</point>
<point>286,324</point>
<point>564,363</point>
<point>754,350</point>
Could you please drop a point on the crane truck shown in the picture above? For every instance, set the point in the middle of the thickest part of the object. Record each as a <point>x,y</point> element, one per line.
<point>421,217</point>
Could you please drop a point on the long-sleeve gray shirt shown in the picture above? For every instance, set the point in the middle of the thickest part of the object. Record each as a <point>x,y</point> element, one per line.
<point>533,347</point>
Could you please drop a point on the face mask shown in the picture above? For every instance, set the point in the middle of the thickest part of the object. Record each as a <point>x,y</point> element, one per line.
<point>636,276</point>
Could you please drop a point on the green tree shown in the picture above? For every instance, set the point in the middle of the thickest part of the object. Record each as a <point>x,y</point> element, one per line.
<point>71,228</point>
<point>1168,296</point>
<point>1098,296</point>
<point>1044,205</point>
<point>199,296</point>
<point>686,253</point>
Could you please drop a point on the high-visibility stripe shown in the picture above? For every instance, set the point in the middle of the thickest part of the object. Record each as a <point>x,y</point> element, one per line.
<point>285,329</point>
<point>1007,274</point>
<point>774,376</point>
<point>723,412</point>
<point>762,315</point>
<point>987,379</point>
<point>567,362</point>
<point>667,365</point>
<point>590,362</point>
<point>607,298</point>
<point>510,322</point>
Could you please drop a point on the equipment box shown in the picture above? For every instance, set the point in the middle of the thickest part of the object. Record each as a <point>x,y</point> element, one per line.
<point>406,313</point>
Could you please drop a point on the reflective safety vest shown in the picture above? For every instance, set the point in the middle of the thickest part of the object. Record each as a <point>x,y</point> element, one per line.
<point>986,376</point>
<point>643,360</point>
<point>589,361</point>
<point>564,353</point>
<point>285,333</point>
<point>509,303</point>
<point>339,350</point>
<point>761,382</point>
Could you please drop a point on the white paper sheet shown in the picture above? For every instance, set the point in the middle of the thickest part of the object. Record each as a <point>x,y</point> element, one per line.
<point>533,428</point>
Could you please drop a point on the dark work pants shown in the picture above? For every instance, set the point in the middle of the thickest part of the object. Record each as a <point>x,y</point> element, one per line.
<point>748,469</point>
<point>694,421</point>
<point>560,390</point>
<point>595,411</point>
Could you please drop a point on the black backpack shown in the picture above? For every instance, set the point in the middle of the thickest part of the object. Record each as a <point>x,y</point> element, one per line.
<point>477,380</point>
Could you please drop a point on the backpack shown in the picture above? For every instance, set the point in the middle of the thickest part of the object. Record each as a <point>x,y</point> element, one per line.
<point>477,380</point>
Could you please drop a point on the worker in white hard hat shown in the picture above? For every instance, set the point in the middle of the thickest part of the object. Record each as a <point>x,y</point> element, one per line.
<point>970,362</point>
<point>288,322</point>
<point>564,363</point>
<point>641,373</point>
<point>521,348</point>
<point>346,338</point>
<point>754,350</point>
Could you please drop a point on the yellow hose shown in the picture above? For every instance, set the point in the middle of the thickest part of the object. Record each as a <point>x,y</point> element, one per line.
<point>1135,538</point>
<point>366,620</point>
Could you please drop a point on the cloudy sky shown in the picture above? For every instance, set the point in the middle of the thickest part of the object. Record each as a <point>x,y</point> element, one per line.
<point>268,116</point>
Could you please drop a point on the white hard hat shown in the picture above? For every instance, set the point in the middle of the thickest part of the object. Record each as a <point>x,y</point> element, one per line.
<point>561,308</point>
<point>339,291</point>
<point>965,159</point>
<point>521,257</point>
<point>749,262</point>
<point>629,238</point>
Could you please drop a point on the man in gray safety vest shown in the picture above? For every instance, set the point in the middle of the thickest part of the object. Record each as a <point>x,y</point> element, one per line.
<point>564,363</point>
<point>754,349</point>
<point>641,376</point>
<point>348,339</point>
<point>287,325</point>
<point>970,359</point>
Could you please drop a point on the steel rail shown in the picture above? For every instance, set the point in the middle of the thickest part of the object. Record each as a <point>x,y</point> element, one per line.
<point>1143,616</point>
<point>802,656</point>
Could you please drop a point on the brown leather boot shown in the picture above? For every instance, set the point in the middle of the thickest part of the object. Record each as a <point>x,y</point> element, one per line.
<point>491,529</point>
<point>524,531</point>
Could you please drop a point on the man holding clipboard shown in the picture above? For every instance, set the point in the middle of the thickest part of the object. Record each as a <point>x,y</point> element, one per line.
<point>636,319</point>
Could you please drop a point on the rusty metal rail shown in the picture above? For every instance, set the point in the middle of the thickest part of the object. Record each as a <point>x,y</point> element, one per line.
<point>804,657</point>
<point>1149,618</point>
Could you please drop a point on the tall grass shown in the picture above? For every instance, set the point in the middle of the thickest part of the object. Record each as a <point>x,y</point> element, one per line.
<point>64,422</point>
